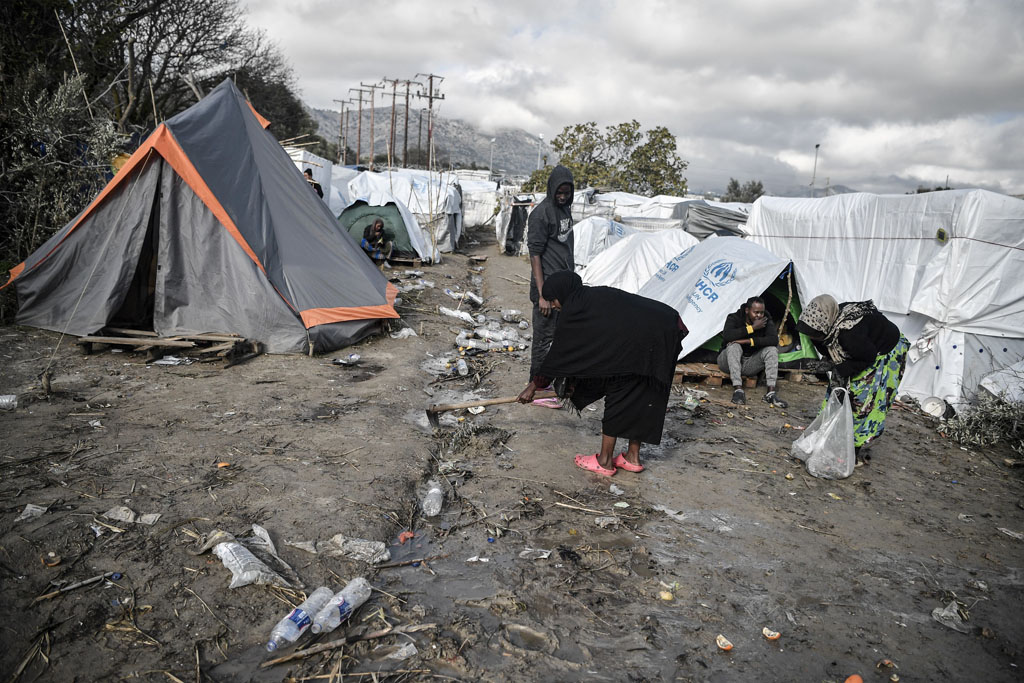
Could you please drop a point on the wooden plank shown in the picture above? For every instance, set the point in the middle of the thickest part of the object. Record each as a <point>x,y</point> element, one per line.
<point>712,381</point>
<point>129,341</point>
<point>211,336</point>
<point>217,348</point>
<point>400,261</point>
<point>129,333</point>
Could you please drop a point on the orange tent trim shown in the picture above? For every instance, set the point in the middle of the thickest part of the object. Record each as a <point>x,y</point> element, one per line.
<point>259,117</point>
<point>323,316</point>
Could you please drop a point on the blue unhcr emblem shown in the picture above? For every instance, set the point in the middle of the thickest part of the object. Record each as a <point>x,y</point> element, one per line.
<point>720,273</point>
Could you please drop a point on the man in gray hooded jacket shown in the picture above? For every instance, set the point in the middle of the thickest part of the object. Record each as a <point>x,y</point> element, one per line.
<point>550,242</point>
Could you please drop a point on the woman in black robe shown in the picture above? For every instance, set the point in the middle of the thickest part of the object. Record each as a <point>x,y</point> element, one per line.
<point>614,345</point>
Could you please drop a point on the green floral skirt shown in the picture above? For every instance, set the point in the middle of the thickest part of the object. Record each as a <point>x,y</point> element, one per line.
<point>872,392</point>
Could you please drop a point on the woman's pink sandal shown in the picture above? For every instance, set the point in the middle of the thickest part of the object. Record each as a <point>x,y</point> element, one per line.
<point>621,462</point>
<point>590,464</point>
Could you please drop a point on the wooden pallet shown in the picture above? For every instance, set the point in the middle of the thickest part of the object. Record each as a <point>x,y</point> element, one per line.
<point>399,261</point>
<point>226,346</point>
<point>705,373</point>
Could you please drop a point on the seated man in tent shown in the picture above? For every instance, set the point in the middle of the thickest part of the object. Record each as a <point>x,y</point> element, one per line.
<point>376,243</point>
<point>751,345</point>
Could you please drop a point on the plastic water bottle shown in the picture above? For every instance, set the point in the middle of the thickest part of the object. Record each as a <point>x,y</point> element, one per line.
<point>341,605</point>
<point>292,626</point>
<point>462,368</point>
<point>511,315</point>
<point>434,500</point>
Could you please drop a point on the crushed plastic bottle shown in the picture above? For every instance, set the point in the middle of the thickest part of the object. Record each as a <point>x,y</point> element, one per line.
<point>434,500</point>
<point>461,315</point>
<point>245,567</point>
<point>341,605</point>
<point>512,315</point>
<point>294,625</point>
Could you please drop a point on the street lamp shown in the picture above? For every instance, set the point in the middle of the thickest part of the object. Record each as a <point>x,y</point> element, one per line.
<point>815,172</point>
<point>490,167</point>
<point>539,145</point>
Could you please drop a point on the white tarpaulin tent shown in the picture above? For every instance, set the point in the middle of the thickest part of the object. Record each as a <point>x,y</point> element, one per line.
<point>631,261</point>
<point>479,198</point>
<point>707,282</point>
<point>322,168</point>
<point>593,235</point>
<point>944,266</point>
<point>339,197</point>
<point>431,197</point>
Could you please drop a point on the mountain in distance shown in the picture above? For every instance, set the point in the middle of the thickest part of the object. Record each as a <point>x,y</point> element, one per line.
<point>515,150</point>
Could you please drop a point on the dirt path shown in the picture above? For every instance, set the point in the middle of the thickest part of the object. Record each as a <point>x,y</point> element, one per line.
<point>849,572</point>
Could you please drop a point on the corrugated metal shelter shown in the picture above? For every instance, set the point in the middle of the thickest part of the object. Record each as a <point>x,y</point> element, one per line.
<point>209,227</point>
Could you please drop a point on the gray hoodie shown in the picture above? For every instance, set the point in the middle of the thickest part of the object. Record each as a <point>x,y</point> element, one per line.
<point>550,231</point>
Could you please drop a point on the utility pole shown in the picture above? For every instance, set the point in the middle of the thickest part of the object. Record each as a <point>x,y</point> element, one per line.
<point>815,173</point>
<point>359,124</point>
<point>373,114</point>
<point>405,134</point>
<point>430,108</point>
<point>341,134</point>
<point>344,149</point>
<point>419,138</point>
<point>394,91</point>
<point>540,144</point>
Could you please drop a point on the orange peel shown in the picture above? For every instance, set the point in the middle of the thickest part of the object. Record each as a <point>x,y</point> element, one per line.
<point>770,634</point>
<point>723,643</point>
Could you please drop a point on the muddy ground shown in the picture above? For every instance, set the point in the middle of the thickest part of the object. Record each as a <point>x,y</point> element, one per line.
<point>716,538</point>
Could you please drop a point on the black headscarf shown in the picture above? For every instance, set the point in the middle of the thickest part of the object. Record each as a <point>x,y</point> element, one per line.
<point>606,332</point>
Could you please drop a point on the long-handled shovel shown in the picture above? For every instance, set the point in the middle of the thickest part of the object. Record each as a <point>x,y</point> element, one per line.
<point>435,410</point>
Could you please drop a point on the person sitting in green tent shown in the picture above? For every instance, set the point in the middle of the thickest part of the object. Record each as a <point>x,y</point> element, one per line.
<point>376,244</point>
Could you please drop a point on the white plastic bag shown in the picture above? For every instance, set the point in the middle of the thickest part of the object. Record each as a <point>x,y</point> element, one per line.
<point>826,446</point>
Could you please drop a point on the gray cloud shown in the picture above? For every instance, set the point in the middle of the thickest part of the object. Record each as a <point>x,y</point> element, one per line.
<point>897,93</point>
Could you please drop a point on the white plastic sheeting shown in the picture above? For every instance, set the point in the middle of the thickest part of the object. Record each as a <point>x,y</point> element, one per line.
<point>431,197</point>
<point>339,196</point>
<point>322,168</point>
<point>888,248</point>
<point>707,282</point>
<point>479,199</point>
<point>591,236</point>
<point>633,260</point>
<point>1007,383</point>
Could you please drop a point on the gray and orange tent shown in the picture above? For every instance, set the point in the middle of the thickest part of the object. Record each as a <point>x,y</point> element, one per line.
<point>209,227</point>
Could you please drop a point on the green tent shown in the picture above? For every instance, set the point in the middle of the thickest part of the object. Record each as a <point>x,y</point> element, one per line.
<point>793,346</point>
<point>359,215</point>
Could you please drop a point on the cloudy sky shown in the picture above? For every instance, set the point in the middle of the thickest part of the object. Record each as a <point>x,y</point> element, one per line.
<point>898,93</point>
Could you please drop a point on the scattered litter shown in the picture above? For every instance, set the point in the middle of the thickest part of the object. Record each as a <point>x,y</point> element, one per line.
<point>477,558</point>
<point>97,530</point>
<point>245,567</point>
<point>1012,534</point>
<point>512,315</point>
<point>615,490</point>
<point>534,554</point>
<point>723,643</point>
<point>951,616</point>
<point>127,515</point>
<point>222,465</point>
<point>621,504</point>
<point>476,410</point>
<point>51,559</point>
<point>350,359</point>
<point>404,652</point>
<point>8,402</point>
<point>770,634</point>
<point>30,512</point>
<point>95,424</point>
<point>405,536</point>
<point>461,315</point>
<point>978,585</point>
<point>404,333</point>
<point>372,552</point>
<point>885,664</point>
<point>834,496</point>
<point>116,576</point>
<point>605,522</point>
<point>174,360</point>
<point>666,596</point>
<point>412,273</point>
<point>433,502</point>
<point>965,518</point>
<point>789,476</point>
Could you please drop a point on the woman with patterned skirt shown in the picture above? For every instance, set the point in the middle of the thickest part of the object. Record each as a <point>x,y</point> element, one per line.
<point>867,351</point>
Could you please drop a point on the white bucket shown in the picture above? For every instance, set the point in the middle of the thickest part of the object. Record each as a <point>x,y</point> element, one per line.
<point>934,406</point>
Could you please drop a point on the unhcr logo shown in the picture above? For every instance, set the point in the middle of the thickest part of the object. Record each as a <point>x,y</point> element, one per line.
<point>720,273</point>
